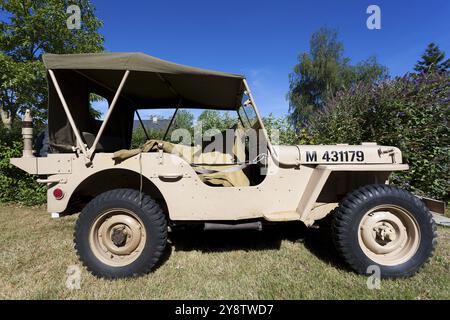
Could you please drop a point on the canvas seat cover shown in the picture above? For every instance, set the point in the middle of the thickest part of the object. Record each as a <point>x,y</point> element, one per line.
<point>203,160</point>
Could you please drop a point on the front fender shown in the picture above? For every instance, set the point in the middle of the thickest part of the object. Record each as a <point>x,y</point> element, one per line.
<point>311,209</point>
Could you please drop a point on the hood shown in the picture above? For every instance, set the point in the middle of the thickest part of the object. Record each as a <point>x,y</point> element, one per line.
<point>366,153</point>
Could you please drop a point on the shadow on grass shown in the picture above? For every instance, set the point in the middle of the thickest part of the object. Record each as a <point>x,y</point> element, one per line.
<point>317,240</point>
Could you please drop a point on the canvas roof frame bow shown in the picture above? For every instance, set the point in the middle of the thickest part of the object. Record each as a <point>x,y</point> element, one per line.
<point>88,153</point>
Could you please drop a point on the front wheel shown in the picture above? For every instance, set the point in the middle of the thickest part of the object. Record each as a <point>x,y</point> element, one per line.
<point>120,235</point>
<point>384,226</point>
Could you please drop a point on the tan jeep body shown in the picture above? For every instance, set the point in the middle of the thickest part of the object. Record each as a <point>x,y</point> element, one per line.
<point>302,183</point>
<point>306,189</point>
<point>128,198</point>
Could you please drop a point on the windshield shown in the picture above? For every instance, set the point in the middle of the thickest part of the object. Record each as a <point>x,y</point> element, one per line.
<point>247,114</point>
<point>182,126</point>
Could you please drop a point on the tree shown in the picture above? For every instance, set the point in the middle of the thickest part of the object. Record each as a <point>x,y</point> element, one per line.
<point>213,119</point>
<point>433,60</point>
<point>324,70</point>
<point>281,131</point>
<point>34,27</point>
<point>183,120</point>
<point>409,112</point>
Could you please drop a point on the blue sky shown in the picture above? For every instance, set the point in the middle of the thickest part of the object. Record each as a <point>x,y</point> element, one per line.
<point>261,39</point>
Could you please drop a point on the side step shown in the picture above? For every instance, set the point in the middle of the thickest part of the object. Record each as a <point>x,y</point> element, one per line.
<point>282,216</point>
<point>233,226</point>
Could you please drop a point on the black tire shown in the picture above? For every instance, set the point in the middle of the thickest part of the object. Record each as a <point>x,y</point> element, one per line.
<point>354,207</point>
<point>153,220</point>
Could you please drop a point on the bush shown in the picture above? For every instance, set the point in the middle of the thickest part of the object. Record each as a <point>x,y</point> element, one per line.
<point>281,131</point>
<point>411,112</point>
<point>15,184</point>
<point>139,137</point>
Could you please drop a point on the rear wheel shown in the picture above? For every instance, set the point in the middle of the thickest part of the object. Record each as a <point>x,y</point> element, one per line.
<point>384,226</point>
<point>119,235</point>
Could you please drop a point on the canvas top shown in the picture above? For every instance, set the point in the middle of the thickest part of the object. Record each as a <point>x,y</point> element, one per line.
<point>154,83</point>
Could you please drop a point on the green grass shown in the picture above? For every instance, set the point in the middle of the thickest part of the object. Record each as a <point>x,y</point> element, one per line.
<point>286,262</point>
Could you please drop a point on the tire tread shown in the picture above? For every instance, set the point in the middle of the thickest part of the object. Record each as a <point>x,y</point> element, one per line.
<point>342,221</point>
<point>148,205</point>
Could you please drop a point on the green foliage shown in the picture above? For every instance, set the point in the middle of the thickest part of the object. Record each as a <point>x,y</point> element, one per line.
<point>21,87</point>
<point>139,137</point>
<point>27,30</point>
<point>323,71</point>
<point>16,185</point>
<point>213,119</point>
<point>433,60</point>
<point>411,113</point>
<point>36,27</point>
<point>94,113</point>
<point>183,120</point>
<point>280,130</point>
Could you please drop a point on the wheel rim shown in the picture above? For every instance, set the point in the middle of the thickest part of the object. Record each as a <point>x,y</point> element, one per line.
<point>389,235</point>
<point>117,237</point>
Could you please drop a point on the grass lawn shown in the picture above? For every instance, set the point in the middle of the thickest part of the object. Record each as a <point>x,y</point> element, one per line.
<point>286,262</point>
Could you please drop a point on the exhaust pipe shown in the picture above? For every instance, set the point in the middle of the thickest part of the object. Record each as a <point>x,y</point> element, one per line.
<point>27,135</point>
<point>233,226</point>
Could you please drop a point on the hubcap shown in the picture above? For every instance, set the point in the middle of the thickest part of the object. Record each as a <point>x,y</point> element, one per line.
<point>389,235</point>
<point>117,237</point>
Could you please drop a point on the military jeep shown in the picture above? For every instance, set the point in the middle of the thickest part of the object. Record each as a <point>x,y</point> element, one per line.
<point>129,198</point>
